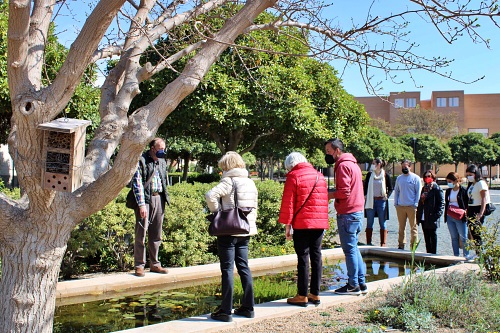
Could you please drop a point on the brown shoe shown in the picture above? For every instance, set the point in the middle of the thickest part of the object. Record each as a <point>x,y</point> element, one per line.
<point>139,271</point>
<point>158,269</point>
<point>297,300</point>
<point>314,299</point>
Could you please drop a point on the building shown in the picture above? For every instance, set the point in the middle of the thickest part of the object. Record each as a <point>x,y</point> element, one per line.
<point>475,112</point>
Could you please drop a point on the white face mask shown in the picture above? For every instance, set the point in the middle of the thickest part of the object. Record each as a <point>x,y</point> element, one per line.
<point>372,167</point>
<point>471,178</point>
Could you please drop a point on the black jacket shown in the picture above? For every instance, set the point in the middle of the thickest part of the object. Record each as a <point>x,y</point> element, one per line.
<point>432,208</point>
<point>462,199</point>
<point>388,190</point>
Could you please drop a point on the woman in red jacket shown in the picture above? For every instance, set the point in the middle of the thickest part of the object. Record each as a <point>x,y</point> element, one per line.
<point>304,208</point>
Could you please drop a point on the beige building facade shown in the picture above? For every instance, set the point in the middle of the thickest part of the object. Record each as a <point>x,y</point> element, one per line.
<point>478,113</point>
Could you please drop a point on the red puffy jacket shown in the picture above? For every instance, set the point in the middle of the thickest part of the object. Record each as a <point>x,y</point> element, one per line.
<point>299,183</point>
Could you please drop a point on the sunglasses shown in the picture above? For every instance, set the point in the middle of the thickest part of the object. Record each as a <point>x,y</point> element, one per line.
<point>427,176</point>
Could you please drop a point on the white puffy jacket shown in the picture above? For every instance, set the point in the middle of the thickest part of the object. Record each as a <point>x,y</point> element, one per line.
<point>246,194</point>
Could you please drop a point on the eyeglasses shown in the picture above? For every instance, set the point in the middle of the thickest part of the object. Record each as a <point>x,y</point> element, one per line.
<point>427,176</point>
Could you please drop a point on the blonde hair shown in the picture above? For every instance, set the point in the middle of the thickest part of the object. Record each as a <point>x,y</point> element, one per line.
<point>231,160</point>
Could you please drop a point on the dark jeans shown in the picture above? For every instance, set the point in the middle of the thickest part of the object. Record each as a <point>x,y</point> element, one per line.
<point>430,237</point>
<point>233,250</point>
<point>307,244</point>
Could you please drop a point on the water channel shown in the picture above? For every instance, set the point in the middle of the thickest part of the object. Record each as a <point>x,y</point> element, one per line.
<point>126,312</point>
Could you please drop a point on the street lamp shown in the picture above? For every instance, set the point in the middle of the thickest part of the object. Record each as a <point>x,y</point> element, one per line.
<point>414,140</point>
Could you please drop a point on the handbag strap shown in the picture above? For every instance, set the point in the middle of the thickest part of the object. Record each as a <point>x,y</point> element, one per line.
<point>298,210</point>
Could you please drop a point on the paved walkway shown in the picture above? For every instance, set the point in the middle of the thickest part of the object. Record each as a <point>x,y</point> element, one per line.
<point>106,286</point>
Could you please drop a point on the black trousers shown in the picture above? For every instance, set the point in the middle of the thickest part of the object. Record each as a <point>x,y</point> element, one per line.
<point>307,245</point>
<point>430,237</point>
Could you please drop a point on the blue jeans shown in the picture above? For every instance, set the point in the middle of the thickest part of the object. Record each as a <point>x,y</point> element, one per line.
<point>458,229</point>
<point>349,226</point>
<point>379,208</point>
<point>233,250</point>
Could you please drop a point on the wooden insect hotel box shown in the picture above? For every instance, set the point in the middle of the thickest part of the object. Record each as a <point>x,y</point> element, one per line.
<point>63,154</point>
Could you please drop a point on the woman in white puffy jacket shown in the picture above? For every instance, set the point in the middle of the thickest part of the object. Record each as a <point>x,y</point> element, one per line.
<point>234,249</point>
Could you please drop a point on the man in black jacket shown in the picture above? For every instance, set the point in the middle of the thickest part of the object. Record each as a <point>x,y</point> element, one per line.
<point>150,189</point>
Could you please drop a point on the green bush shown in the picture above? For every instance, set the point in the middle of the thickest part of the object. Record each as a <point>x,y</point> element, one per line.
<point>186,240</point>
<point>489,251</point>
<point>104,241</point>
<point>423,302</point>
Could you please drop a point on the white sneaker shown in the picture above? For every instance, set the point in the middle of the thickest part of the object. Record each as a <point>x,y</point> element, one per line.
<point>470,257</point>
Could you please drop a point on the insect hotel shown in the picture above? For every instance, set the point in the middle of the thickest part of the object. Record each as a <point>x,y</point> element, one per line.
<point>63,153</point>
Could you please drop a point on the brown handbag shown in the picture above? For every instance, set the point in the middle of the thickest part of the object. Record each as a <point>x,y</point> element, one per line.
<point>230,221</point>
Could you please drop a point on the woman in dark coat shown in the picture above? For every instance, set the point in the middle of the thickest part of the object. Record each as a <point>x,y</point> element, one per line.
<point>429,210</point>
<point>378,188</point>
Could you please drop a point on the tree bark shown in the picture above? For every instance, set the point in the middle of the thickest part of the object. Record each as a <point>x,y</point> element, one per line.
<point>30,268</point>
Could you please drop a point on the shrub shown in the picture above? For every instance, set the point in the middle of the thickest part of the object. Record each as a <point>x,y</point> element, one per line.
<point>489,251</point>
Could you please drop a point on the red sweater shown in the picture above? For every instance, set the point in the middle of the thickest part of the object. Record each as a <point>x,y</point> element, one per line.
<point>299,183</point>
<point>349,196</point>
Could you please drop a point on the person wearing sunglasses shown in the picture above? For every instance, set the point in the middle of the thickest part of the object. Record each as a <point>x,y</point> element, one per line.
<point>429,210</point>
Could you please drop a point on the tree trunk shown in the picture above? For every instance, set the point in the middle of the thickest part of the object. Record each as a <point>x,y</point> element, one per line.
<point>30,269</point>
<point>187,158</point>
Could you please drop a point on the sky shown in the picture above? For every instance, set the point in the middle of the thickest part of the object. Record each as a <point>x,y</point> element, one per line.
<point>471,61</point>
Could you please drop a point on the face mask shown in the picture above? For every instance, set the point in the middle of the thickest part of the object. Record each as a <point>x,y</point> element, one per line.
<point>405,171</point>
<point>428,180</point>
<point>160,153</point>
<point>450,185</point>
<point>471,178</point>
<point>329,159</point>
<point>372,167</point>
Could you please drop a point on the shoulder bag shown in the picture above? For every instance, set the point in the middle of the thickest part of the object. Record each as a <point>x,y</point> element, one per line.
<point>298,210</point>
<point>230,221</point>
<point>131,201</point>
<point>490,208</point>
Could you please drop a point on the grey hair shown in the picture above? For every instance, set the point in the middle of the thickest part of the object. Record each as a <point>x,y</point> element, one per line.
<point>293,159</point>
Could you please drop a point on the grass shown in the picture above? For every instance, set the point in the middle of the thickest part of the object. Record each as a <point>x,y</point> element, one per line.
<point>462,300</point>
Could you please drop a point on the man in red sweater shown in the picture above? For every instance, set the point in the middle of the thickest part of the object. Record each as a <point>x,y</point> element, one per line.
<point>349,204</point>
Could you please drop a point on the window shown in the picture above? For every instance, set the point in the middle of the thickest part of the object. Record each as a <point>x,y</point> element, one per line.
<point>399,103</point>
<point>441,102</point>
<point>453,102</point>
<point>483,131</point>
<point>411,102</point>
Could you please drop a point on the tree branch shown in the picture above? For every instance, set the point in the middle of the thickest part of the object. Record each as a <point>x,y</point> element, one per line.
<point>18,37</point>
<point>254,142</point>
<point>80,53</point>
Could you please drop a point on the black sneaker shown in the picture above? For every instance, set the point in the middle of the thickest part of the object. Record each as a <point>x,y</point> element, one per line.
<point>348,290</point>
<point>363,288</point>
<point>221,316</point>
<point>244,312</point>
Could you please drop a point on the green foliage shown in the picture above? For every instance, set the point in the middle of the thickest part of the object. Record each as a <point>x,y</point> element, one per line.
<point>489,251</point>
<point>474,148</point>
<point>423,302</point>
<point>186,241</point>
<point>377,144</point>
<point>104,239</point>
<point>428,149</point>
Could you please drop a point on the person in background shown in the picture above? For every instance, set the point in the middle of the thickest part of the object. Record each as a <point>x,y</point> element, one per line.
<point>150,189</point>
<point>456,196</point>
<point>234,249</point>
<point>429,210</point>
<point>406,197</point>
<point>377,189</point>
<point>349,204</point>
<point>477,191</point>
<point>304,207</point>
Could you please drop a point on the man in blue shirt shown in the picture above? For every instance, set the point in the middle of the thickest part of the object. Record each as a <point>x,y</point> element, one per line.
<point>406,197</point>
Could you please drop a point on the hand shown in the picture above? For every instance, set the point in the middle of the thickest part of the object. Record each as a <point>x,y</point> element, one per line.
<point>143,212</point>
<point>288,234</point>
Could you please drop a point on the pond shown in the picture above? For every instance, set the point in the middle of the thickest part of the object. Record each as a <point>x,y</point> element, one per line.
<point>159,306</point>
